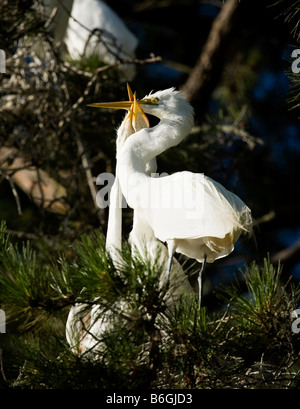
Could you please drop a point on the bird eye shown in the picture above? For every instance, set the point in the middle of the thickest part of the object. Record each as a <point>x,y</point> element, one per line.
<point>149,101</point>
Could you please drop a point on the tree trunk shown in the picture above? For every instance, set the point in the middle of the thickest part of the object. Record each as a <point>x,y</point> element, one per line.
<point>201,81</point>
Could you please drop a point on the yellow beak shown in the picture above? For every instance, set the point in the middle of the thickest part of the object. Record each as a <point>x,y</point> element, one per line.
<point>118,104</point>
<point>136,115</point>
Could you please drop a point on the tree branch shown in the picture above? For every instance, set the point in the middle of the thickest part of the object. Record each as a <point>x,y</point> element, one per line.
<point>43,190</point>
<point>199,84</point>
<point>287,254</point>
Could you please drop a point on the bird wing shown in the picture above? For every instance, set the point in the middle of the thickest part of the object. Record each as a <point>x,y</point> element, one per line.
<point>189,205</point>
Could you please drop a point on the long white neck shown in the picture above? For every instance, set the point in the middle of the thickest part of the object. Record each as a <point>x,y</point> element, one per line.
<point>114,225</point>
<point>151,142</point>
<point>143,146</point>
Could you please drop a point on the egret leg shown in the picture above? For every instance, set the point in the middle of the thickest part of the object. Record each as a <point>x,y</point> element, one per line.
<point>200,279</point>
<point>171,250</point>
<point>169,266</point>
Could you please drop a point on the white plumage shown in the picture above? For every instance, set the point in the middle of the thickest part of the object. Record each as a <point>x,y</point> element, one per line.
<point>76,20</point>
<point>117,41</point>
<point>142,239</point>
<point>85,328</point>
<point>192,213</point>
<point>198,214</point>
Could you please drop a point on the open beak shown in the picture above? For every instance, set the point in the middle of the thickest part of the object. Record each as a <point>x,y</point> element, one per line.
<point>136,115</point>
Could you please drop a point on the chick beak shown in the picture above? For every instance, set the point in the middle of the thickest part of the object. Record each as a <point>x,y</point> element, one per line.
<point>139,119</point>
<point>130,93</point>
<point>136,115</point>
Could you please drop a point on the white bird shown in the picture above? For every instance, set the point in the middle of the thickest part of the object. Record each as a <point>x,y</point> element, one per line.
<point>117,41</point>
<point>142,239</point>
<point>133,122</point>
<point>83,328</point>
<point>192,213</point>
<point>92,27</point>
<point>86,326</point>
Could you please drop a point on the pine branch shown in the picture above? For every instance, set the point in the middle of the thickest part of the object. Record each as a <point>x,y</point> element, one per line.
<point>145,343</point>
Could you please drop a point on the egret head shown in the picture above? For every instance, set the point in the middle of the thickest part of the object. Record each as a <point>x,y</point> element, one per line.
<point>167,103</point>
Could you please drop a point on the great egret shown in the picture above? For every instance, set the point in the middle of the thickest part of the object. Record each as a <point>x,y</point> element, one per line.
<point>80,25</point>
<point>86,327</point>
<point>133,122</point>
<point>141,238</point>
<point>192,213</point>
<point>117,40</point>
